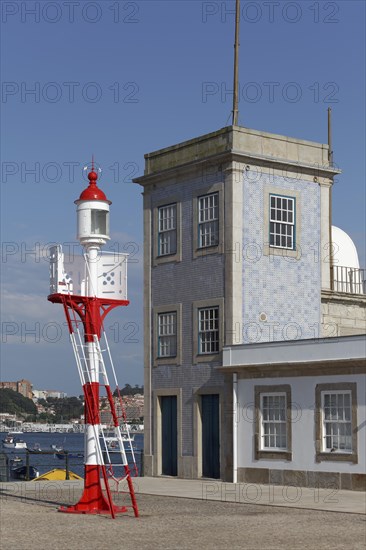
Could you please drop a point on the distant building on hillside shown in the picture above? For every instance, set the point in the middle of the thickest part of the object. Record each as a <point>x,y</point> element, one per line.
<point>43,394</point>
<point>133,405</point>
<point>22,386</point>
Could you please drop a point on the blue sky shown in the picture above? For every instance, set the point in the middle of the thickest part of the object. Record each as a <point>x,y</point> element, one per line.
<point>119,79</point>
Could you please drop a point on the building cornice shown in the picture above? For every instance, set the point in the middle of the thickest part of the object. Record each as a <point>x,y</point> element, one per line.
<point>244,158</point>
<point>308,357</point>
<point>343,297</point>
<point>314,368</point>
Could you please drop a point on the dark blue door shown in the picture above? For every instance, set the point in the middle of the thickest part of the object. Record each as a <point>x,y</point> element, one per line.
<point>210,436</point>
<point>169,435</point>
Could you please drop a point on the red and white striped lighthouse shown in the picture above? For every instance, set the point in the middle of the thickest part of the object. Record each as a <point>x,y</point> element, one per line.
<point>102,287</point>
<point>92,232</point>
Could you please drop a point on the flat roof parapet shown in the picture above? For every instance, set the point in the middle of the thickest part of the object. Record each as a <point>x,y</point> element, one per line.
<point>237,141</point>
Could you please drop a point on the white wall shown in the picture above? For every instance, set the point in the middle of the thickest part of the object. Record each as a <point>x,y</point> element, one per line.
<point>303,425</point>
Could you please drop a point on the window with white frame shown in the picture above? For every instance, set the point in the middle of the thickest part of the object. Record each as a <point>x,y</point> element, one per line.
<point>208,220</point>
<point>167,230</point>
<point>167,334</point>
<point>282,222</point>
<point>273,410</point>
<point>208,330</point>
<point>337,421</point>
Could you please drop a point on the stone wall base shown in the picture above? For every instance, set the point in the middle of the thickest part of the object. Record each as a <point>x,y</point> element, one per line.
<point>148,468</point>
<point>303,478</point>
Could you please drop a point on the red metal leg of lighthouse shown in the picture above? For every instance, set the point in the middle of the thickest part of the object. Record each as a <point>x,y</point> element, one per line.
<point>96,497</point>
<point>93,500</point>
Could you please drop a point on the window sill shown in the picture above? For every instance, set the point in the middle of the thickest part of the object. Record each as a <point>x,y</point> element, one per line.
<point>168,258</point>
<point>273,455</point>
<point>158,361</point>
<point>283,252</point>
<point>336,457</point>
<point>208,246</point>
<point>205,251</point>
<point>206,358</point>
<point>160,256</point>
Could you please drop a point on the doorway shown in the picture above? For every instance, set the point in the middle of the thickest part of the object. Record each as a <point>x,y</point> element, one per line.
<point>169,439</point>
<point>210,414</point>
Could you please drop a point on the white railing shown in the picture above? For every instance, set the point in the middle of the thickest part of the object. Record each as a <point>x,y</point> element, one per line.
<point>349,279</point>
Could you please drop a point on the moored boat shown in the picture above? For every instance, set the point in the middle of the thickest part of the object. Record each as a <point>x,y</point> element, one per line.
<point>17,460</point>
<point>36,449</point>
<point>21,472</point>
<point>11,443</point>
<point>57,449</point>
<point>128,437</point>
<point>62,455</point>
<point>112,441</point>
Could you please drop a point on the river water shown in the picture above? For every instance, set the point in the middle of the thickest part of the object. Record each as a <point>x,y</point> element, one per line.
<point>74,443</point>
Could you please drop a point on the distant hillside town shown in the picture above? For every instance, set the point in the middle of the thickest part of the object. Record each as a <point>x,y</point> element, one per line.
<point>28,408</point>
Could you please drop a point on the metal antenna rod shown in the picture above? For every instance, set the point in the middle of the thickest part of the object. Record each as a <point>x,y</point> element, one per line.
<point>236,65</point>
<point>330,147</point>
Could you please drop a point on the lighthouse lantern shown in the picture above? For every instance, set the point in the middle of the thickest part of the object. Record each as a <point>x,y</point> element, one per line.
<point>92,222</point>
<point>93,214</point>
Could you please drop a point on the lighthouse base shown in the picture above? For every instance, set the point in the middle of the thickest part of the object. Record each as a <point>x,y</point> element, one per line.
<point>93,500</point>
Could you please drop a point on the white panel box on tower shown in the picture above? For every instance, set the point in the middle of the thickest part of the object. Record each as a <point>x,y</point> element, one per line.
<point>68,276</point>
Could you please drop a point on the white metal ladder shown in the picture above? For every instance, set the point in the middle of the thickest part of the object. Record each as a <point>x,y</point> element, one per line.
<point>122,420</point>
<point>103,441</point>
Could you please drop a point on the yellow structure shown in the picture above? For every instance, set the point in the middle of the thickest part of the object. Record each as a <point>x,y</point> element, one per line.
<point>57,474</point>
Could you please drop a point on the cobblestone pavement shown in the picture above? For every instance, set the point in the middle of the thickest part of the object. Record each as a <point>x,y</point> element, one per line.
<point>29,520</point>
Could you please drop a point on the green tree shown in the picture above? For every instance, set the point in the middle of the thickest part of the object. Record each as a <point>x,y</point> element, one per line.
<point>13,402</point>
<point>67,409</point>
<point>129,390</point>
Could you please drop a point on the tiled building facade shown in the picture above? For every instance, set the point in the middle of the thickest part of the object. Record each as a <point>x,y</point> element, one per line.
<point>237,241</point>
<point>281,294</point>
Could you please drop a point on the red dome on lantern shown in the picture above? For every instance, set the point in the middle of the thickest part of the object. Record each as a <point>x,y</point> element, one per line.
<point>93,192</point>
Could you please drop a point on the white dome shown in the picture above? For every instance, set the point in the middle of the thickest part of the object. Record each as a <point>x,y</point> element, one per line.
<point>344,250</point>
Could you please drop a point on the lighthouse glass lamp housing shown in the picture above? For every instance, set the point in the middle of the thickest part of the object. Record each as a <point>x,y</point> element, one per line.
<point>93,214</point>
